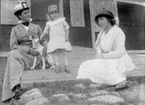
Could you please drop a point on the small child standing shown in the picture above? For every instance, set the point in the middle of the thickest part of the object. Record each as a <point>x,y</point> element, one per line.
<point>58,44</point>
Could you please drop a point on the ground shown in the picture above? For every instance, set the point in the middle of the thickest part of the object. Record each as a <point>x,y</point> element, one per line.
<point>66,84</point>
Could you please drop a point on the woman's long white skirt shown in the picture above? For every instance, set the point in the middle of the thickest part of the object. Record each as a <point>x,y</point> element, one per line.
<point>105,71</point>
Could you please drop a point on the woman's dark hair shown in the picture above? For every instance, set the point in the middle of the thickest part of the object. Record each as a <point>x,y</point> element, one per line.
<point>108,15</point>
<point>18,13</point>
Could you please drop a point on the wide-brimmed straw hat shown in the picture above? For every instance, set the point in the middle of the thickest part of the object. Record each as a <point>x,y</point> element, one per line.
<point>20,7</point>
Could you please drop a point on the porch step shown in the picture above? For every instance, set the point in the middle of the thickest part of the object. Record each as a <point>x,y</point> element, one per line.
<point>75,58</point>
<point>141,52</point>
<point>38,76</point>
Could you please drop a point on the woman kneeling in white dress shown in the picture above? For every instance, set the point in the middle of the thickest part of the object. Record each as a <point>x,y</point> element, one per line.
<point>112,60</point>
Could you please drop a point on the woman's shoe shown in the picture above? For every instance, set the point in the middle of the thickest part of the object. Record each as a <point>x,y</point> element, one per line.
<point>18,93</point>
<point>13,101</point>
<point>122,85</point>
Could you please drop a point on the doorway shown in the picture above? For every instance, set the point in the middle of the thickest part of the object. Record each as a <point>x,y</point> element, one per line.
<point>131,16</point>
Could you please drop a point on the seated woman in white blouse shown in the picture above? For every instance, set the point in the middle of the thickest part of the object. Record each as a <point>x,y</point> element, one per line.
<point>112,60</point>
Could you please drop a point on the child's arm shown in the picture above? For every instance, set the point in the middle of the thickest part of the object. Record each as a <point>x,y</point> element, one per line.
<point>45,32</point>
<point>67,34</point>
<point>42,35</point>
<point>43,41</point>
<point>66,27</point>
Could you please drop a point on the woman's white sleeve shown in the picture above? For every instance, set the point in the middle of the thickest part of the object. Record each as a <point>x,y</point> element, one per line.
<point>120,46</point>
<point>97,45</point>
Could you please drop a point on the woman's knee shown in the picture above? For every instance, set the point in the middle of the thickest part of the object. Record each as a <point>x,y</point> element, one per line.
<point>15,53</point>
<point>86,63</point>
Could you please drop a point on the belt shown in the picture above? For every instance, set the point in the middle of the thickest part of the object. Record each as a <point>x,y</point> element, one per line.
<point>26,42</point>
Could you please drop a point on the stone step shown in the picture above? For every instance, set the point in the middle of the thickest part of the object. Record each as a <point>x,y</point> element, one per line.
<point>37,76</point>
<point>76,57</point>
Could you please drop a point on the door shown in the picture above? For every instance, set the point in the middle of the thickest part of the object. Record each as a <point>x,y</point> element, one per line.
<point>7,11</point>
<point>131,16</point>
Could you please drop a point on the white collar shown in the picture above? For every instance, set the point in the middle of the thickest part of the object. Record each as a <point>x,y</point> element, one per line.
<point>26,27</point>
<point>20,21</point>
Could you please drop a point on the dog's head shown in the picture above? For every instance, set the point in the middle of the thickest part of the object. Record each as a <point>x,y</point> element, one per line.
<point>35,42</point>
<point>34,38</point>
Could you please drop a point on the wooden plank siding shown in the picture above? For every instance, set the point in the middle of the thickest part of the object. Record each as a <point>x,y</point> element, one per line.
<point>127,10</point>
<point>80,36</point>
<point>0,11</point>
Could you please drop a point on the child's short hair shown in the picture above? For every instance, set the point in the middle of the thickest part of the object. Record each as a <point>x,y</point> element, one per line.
<point>52,8</point>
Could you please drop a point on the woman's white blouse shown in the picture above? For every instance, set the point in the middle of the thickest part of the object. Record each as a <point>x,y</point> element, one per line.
<point>106,42</point>
<point>112,44</point>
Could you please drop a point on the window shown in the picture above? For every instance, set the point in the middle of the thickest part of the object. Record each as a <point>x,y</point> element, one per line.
<point>7,11</point>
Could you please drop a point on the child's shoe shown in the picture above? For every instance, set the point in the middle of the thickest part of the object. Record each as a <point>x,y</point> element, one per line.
<point>62,68</point>
<point>67,69</point>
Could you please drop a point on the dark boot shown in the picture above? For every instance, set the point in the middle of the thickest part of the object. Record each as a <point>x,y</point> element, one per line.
<point>18,92</point>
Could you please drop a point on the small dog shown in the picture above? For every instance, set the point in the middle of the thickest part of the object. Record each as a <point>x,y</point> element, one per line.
<point>38,47</point>
<point>50,60</point>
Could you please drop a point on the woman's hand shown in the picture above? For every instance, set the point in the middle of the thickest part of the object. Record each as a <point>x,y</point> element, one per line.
<point>33,52</point>
<point>100,57</point>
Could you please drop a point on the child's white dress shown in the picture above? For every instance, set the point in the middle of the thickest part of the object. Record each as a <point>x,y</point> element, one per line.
<point>56,31</point>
